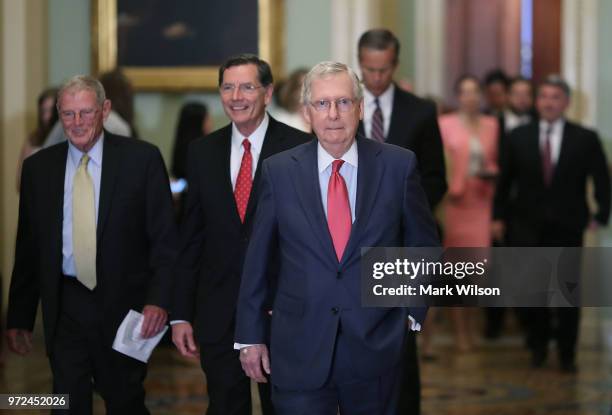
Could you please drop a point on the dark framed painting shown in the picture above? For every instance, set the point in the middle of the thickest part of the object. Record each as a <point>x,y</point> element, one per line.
<point>178,45</point>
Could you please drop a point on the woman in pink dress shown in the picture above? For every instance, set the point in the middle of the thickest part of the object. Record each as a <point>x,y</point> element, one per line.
<point>470,146</point>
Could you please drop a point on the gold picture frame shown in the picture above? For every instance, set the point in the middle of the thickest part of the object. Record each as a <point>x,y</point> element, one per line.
<point>105,46</point>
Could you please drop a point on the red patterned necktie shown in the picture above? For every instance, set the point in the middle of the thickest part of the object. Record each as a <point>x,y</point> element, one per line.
<point>547,164</point>
<point>244,182</point>
<point>338,210</point>
<point>378,129</point>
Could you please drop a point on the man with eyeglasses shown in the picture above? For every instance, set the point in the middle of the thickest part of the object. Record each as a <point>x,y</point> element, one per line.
<point>223,173</point>
<point>96,238</point>
<point>319,204</point>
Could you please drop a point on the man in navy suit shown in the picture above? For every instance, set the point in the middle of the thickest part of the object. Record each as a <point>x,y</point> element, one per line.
<point>320,203</point>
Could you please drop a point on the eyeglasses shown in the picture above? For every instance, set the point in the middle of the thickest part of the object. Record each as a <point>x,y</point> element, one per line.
<point>342,104</point>
<point>247,89</point>
<point>87,114</point>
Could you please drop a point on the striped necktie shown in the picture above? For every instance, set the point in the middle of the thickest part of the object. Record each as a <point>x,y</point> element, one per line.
<point>378,129</point>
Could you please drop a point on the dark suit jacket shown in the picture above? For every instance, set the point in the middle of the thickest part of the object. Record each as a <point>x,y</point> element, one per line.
<point>213,240</point>
<point>503,135</point>
<point>136,236</point>
<point>563,205</point>
<point>315,292</point>
<point>414,125</point>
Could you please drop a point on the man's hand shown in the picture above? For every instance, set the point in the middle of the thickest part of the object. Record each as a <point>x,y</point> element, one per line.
<point>19,341</point>
<point>182,337</point>
<point>498,230</point>
<point>154,320</point>
<point>253,358</point>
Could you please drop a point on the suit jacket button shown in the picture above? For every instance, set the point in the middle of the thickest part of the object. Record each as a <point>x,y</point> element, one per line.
<point>339,275</point>
<point>335,310</point>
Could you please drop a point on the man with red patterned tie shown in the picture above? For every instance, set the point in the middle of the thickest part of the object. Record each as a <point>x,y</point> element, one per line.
<point>222,176</point>
<point>541,200</point>
<point>319,204</point>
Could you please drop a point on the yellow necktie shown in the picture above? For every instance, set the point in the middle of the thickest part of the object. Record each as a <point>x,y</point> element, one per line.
<point>84,225</point>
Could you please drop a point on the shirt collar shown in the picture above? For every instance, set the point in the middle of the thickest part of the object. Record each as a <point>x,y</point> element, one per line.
<point>95,153</point>
<point>556,126</point>
<point>385,99</point>
<point>325,159</point>
<point>256,138</point>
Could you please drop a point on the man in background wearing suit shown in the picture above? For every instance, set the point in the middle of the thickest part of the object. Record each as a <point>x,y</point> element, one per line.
<point>96,238</point>
<point>546,165</point>
<point>223,172</point>
<point>395,116</point>
<point>519,111</point>
<point>320,203</point>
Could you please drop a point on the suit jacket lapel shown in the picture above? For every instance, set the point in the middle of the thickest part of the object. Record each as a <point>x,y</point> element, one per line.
<point>269,147</point>
<point>565,150</point>
<point>110,163</point>
<point>222,159</point>
<point>534,148</point>
<point>369,175</point>
<point>306,181</point>
<point>397,124</point>
<point>55,196</point>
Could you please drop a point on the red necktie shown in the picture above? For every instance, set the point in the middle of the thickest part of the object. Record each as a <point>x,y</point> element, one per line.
<point>547,164</point>
<point>338,210</point>
<point>244,182</point>
<point>378,129</point>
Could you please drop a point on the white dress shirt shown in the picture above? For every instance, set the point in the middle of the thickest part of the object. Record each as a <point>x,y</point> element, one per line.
<point>513,120</point>
<point>385,100</point>
<point>556,137</point>
<point>94,168</point>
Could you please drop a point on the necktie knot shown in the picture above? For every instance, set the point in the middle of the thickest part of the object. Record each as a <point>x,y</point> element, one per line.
<point>549,130</point>
<point>246,144</point>
<point>84,160</point>
<point>377,102</point>
<point>336,166</point>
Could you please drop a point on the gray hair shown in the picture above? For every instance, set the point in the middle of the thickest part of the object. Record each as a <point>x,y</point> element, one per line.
<point>557,81</point>
<point>327,68</point>
<point>83,83</point>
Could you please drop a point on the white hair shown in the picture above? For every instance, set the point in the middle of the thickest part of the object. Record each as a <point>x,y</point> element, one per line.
<point>83,83</point>
<point>324,69</point>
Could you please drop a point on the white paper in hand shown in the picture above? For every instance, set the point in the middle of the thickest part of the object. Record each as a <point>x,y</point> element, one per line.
<point>129,341</point>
